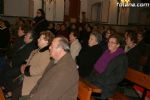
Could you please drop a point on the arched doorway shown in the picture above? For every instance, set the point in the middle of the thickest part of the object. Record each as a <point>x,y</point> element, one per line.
<point>96,12</point>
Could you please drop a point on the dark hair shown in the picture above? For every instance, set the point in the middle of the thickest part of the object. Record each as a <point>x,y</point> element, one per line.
<point>132,35</point>
<point>75,34</point>
<point>141,32</point>
<point>42,12</point>
<point>118,38</point>
<point>49,36</point>
<point>32,35</point>
<point>24,28</point>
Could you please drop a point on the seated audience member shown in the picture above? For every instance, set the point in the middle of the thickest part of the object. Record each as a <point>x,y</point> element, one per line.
<point>18,58</point>
<point>4,35</point>
<point>85,34</point>
<point>89,55</point>
<point>51,27</point>
<point>63,31</point>
<point>132,50</point>
<point>106,37</point>
<point>110,68</point>
<point>75,45</point>
<point>36,63</point>
<point>60,79</point>
<point>141,43</point>
<point>20,39</point>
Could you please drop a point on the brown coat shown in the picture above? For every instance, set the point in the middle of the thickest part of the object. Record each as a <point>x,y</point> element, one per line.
<point>38,61</point>
<point>59,82</point>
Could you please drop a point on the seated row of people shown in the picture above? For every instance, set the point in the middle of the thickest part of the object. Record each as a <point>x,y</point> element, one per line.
<point>100,67</point>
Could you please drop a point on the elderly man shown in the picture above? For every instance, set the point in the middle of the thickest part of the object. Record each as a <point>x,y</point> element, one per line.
<point>60,80</point>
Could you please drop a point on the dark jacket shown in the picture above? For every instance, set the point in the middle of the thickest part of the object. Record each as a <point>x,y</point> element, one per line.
<point>109,79</point>
<point>134,55</point>
<point>59,82</point>
<point>22,53</point>
<point>87,58</point>
<point>41,24</point>
<point>4,37</point>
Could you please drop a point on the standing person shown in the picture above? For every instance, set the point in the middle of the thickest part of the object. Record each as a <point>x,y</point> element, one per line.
<point>60,80</point>
<point>40,23</point>
<point>36,63</point>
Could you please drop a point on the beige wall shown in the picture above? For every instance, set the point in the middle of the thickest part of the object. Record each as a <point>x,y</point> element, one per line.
<point>54,10</point>
<point>16,7</point>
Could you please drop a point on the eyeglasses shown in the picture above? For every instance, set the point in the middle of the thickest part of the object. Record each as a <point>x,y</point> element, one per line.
<point>112,42</point>
<point>38,12</point>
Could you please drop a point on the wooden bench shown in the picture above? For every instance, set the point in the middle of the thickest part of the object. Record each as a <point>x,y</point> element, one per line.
<point>1,95</point>
<point>140,79</point>
<point>86,89</point>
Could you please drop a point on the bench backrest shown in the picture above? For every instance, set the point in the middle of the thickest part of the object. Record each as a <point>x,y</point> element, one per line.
<point>138,78</point>
<point>1,95</point>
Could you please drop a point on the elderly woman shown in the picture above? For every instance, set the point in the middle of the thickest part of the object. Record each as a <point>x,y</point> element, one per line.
<point>133,50</point>
<point>36,63</point>
<point>110,68</point>
<point>89,55</point>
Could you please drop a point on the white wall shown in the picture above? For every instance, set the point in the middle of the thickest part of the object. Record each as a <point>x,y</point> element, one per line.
<point>59,10</point>
<point>54,10</point>
<point>50,10</point>
<point>105,11</point>
<point>83,8</point>
<point>113,11</point>
<point>37,5</point>
<point>89,5</point>
<point>16,7</point>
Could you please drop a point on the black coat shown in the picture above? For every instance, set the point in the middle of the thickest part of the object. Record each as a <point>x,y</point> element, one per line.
<point>109,79</point>
<point>87,58</point>
<point>134,55</point>
<point>21,54</point>
<point>40,25</point>
<point>4,38</point>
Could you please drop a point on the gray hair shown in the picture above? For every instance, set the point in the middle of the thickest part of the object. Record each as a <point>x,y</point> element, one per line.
<point>64,44</point>
<point>98,36</point>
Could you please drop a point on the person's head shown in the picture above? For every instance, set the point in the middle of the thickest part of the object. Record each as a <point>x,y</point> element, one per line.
<point>109,32</point>
<point>21,31</point>
<point>40,13</point>
<point>131,38</point>
<point>114,42</point>
<point>73,26</point>
<point>59,47</point>
<point>29,37</point>
<point>73,36</point>
<point>2,24</point>
<point>140,36</point>
<point>51,25</point>
<point>45,39</point>
<point>88,28</point>
<point>63,27</point>
<point>57,27</point>
<point>94,39</point>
